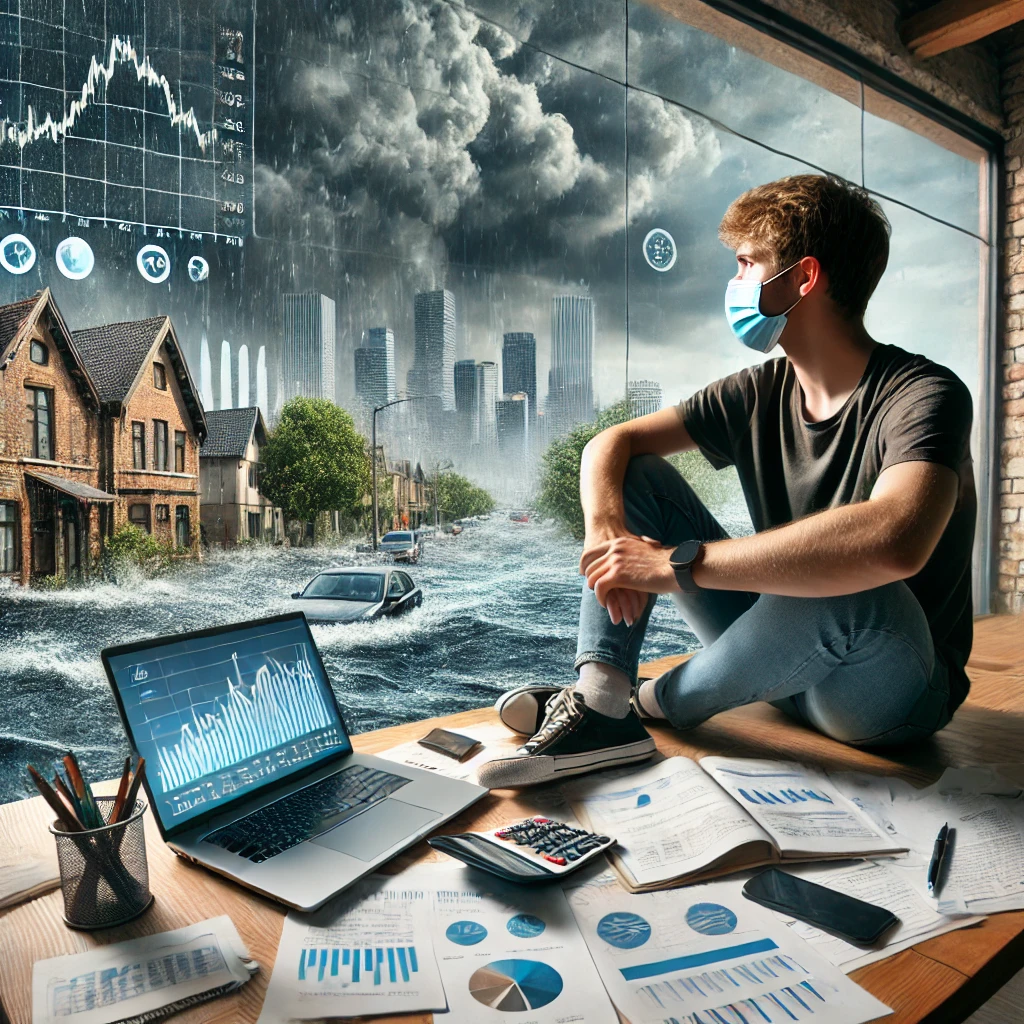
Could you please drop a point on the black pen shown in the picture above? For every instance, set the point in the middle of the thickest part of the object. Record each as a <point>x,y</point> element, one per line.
<point>938,855</point>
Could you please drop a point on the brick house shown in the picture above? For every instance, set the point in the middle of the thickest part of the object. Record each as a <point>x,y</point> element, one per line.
<point>150,426</point>
<point>53,514</point>
<point>231,504</point>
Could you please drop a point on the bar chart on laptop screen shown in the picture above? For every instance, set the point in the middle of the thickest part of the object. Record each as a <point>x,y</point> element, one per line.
<point>136,112</point>
<point>215,718</point>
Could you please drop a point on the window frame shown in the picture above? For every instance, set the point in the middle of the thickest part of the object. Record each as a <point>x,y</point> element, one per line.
<point>10,526</point>
<point>147,524</point>
<point>178,520</point>
<point>159,376</point>
<point>161,431</point>
<point>38,346</point>
<point>34,409</point>
<point>162,513</point>
<point>138,444</point>
<point>180,447</point>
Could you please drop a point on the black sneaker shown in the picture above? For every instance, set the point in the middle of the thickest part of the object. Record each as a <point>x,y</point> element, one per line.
<point>572,740</point>
<point>522,709</point>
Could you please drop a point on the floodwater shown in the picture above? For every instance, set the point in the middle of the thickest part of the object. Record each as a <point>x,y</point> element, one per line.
<point>500,605</point>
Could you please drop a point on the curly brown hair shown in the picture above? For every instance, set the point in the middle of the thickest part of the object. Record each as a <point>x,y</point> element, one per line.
<point>815,215</point>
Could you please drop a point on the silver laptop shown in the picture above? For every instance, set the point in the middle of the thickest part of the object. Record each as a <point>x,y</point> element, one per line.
<point>250,771</point>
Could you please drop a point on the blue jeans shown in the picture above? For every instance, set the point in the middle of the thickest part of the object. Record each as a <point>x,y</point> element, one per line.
<point>860,668</point>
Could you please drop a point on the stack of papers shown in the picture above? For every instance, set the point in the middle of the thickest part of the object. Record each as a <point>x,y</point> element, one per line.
<point>678,822</point>
<point>142,979</point>
<point>705,953</point>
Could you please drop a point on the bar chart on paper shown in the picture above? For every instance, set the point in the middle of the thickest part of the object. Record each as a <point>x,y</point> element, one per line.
<point>734,984</point>
<point>353,966</point>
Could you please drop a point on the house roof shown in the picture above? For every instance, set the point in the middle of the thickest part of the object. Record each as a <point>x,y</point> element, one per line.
<point>12,317</point>
<point>16,321</point>
<point>115,354</point>
<point>71,487</point>
<point>230,431</point>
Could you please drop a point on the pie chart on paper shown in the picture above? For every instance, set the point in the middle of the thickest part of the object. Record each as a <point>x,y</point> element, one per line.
<point>515,985</point>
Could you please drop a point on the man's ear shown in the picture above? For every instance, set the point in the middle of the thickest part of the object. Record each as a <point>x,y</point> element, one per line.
<point>813,276</point>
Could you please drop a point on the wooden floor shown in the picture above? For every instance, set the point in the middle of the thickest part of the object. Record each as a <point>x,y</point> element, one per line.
<point>941,981</point>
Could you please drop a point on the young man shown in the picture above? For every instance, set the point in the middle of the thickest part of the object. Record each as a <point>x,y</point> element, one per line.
<point>850,607</point>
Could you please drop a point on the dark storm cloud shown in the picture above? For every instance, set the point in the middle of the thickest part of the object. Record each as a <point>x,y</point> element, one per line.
<point>398,122</point>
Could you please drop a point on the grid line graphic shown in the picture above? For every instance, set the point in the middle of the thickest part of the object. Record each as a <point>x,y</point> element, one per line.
<point>377,966</point>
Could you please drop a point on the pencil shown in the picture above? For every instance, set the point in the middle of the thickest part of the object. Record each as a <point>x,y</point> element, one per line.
<point>69,798</point>
<point>122,790</point>
<point>67,819</point>
<point>133,791</point>
<point>92,816</point>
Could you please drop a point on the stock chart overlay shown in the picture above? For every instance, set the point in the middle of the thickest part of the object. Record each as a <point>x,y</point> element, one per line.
<point>129,113</point>
<point>216,716</point>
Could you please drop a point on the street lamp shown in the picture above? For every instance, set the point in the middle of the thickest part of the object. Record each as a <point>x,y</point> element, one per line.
<point>439,468</point>
<point>373,458</point>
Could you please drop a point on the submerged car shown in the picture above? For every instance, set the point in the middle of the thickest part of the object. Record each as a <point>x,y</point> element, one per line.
<point>347,595</point>
<point>401,545</point>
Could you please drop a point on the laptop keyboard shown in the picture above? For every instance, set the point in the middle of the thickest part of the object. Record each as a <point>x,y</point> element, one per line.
<point>306,813</point>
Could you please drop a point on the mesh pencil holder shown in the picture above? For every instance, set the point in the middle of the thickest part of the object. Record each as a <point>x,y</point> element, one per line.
<point>104,876</point>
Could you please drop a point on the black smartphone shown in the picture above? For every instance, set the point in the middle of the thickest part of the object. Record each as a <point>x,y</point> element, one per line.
<point>860,923</point>
<point>451,744</point>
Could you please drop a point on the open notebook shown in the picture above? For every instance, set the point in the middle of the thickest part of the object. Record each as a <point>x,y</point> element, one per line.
<point>679,822</point>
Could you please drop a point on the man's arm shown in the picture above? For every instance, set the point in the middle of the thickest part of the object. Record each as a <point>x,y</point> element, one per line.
<point>602,471</point>
<point>840,551</point>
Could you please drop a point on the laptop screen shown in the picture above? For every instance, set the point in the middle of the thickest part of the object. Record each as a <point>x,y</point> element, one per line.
<point>218,716</point>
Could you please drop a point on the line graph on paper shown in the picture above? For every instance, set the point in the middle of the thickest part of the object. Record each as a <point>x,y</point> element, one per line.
<point>137,112</point>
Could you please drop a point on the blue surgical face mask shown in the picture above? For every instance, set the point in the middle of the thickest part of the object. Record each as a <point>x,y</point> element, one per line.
<point>748,323</point>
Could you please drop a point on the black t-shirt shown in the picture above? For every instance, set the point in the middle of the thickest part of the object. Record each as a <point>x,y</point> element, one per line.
<point>905,409</point>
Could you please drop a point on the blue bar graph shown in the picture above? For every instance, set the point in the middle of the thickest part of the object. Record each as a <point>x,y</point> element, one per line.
<point>682,963</point>
<point>372,967</point>
<point>783,796</point>
<point>801,1001</point>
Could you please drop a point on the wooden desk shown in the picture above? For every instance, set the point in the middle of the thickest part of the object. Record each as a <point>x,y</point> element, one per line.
<point>941,980</point>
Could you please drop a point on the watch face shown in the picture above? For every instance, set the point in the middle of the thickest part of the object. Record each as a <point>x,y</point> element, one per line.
<point>685,553</point>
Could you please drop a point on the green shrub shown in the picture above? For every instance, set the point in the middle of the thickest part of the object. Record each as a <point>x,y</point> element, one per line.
<point>131,544</point>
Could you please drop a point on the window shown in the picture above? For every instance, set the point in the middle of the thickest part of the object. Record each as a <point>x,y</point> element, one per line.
<point>139,445</point>
<point>160,445</point>
<point>159,377</point>
<point>396,588</point>
<point>182,529</point>
<point>8,536</point>
<point>138,515</point>
<point>254,476</point>
<point>179,451</point>
<point>406,579</point>
<point>163,513</point>
<point>40,419</point>
<point>255,531</point>
<point>39,353</point>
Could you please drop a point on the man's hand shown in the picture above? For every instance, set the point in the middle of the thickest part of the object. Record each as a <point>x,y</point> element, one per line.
<point>621,604</point>
<point>636,566</point>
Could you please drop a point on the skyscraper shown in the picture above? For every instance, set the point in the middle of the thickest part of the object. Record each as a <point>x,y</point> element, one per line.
<point>486,397</point>
<point>433,370</point>
<point>644,397</point>
<point>519,366</point>
<point>307,359</point>
<point>571,378</point>
<point>375,367</point>
<point>512,415</point>
<point>466,403</point>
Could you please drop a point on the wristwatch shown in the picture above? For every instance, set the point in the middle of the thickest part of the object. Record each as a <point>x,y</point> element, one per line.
<point>682,560</point>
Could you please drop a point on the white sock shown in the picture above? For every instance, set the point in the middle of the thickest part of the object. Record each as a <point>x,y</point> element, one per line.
<point>605,689</point>
<point>648,701</point>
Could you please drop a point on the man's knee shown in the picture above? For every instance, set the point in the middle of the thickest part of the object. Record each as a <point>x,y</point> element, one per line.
<point>651,475</point>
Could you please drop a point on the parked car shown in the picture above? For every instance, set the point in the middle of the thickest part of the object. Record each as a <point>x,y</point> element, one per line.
<point>401,545</point>
<point>347,594</point>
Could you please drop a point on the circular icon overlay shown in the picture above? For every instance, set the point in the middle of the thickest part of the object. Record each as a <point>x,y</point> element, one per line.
<point>525,926</point>
<point>198,269</point>
<point>711,919</point>
<point>511,986</point>
<point>623,930</point>
<point>154,264</point>
<point>17,254</point>
<point>465,933</point>
<point>74,258</point>
<point>660,250</point>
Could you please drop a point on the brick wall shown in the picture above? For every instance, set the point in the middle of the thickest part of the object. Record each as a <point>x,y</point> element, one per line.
<point>1010,578</point>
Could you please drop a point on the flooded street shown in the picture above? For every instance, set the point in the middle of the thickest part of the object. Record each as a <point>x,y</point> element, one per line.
<point>500,605</point>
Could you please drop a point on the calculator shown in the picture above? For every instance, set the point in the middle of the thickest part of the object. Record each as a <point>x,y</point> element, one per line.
<point>532,850</point>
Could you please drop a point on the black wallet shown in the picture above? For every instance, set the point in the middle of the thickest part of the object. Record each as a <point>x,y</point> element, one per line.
<point>851,919</point>
<point>451,744</point>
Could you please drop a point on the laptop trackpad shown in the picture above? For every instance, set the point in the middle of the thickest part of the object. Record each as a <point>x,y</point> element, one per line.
<point>369,834</point>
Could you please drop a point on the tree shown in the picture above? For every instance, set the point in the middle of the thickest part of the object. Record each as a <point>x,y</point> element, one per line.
<point>458,497</point>
<point>560,472</point>
<point>315,460</point>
